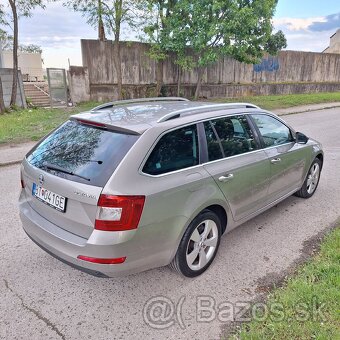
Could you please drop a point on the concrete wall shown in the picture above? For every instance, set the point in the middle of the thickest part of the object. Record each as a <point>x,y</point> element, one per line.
<point>300,69</point>
<point>242,90</point>
<point>78,80</point>
<point>30,64</point>
<point>6,80</point>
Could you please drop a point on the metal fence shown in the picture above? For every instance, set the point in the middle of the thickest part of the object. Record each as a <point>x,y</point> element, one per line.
<point>58,87</point>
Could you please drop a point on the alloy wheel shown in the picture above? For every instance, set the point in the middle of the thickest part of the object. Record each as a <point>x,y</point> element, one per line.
<point>313,178</point>
<point>202,245</point>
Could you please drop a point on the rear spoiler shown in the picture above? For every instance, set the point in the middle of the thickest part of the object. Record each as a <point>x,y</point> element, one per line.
<point>100,125</point>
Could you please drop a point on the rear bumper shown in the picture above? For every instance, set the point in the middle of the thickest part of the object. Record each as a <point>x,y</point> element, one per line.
<point>83,269</point>
<point>138,245</point>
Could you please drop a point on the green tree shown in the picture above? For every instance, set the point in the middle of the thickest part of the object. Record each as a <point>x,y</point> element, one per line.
<point>213,29</point>
<point>6,40</point>
<point>111,14</point>
<point>18,9</point>
<point>92,10</point>
<point>156,16</point>
<point>31,48</point>
<point>7,44</point>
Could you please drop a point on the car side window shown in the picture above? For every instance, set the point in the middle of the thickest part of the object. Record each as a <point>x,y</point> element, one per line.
<point>176,150</point>
<point>214,146</point>
<point>272,130</point>
<point>232,135</point>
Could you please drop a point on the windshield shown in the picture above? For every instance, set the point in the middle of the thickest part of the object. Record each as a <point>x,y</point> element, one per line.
<point>81,153</point>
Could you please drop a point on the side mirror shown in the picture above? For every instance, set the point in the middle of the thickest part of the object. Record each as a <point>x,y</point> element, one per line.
<point>301,138</point>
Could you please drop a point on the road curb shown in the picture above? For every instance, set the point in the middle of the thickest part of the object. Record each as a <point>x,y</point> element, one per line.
<point>2,165</point>
<point>307,110</point>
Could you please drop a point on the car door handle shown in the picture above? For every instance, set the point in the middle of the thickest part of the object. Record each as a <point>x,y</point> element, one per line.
<point>275,160</point>
<point>226,178</point>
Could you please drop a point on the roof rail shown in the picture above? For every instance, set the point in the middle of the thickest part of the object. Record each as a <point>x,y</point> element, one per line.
<point>138,100</point>
<point>176,114</point>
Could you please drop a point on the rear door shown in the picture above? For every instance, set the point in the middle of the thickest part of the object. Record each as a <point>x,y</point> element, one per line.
<point>240,169</point>
<point>64,175</point>
<point>287,158</point>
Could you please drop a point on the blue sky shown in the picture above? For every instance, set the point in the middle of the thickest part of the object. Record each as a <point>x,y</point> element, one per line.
<point>306,8</point>
<point>306,24</point>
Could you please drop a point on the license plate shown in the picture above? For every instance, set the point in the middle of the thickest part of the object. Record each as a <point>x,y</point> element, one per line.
<point>50,198</point>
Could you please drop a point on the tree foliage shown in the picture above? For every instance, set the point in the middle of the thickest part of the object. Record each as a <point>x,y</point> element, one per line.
<point>212,29</point>
<point>31,48</point>
<point>6,40</point>
<point>25,7</point>
<point>114,13</point>
<point>111,14</point>
<point>7,44</point>
<point>275,43</point>
<point>156,14</point>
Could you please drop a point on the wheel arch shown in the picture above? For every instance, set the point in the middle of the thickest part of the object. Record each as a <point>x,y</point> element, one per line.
<point>221,213</point>
<point>319,156</point>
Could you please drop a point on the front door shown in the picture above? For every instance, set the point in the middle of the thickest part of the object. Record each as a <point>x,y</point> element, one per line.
<point>287,158</point>
<point>240,169</point>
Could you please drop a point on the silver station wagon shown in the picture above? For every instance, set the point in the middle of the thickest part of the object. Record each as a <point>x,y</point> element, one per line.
<point>139,184</point>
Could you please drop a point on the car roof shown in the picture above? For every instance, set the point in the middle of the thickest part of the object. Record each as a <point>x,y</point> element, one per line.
<point>138,116</point>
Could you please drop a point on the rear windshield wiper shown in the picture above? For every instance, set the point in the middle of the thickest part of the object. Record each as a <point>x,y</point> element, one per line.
<point>55,167</point>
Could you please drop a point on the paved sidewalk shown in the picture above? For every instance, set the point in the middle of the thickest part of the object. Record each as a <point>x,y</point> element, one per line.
<point>14,153</point>
<point>306,108</point>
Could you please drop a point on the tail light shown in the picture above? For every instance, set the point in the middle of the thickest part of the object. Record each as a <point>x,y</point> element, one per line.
<point>117,260</point>
<point>117,213</point>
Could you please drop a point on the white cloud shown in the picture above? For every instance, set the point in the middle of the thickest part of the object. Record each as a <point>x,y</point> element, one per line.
<point>58,30</point>
<point>297,24</point>
<point>307,41</point>
<point>308,34</point>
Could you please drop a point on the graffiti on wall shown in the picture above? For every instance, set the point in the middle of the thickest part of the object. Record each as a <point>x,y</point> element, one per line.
<point>270,64</point>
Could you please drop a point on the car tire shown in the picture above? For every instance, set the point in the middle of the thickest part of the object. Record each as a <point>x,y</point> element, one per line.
<point>199,245</point>
<point>312,180</point>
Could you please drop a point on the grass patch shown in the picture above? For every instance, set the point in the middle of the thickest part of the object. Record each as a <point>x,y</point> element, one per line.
<point>310,301</point>
<point>31,124</point>
<point>285,101</point>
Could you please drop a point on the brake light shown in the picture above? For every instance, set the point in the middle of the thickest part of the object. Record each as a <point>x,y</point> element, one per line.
<point>102,261</point>
<point>117,213</point>
<point>89,122</point>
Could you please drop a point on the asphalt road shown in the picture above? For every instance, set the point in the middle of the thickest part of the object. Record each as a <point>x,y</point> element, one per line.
<point>41,298</point>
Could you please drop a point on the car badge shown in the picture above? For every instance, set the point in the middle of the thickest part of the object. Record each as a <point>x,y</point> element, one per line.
<point>41,179</point>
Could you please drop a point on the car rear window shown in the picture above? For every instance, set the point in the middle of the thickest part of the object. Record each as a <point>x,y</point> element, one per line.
<point>89,152</point>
